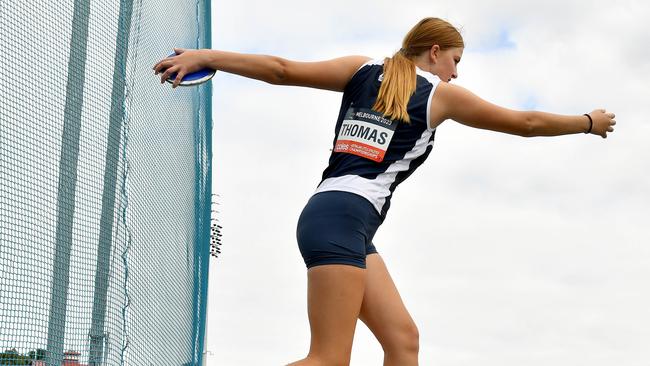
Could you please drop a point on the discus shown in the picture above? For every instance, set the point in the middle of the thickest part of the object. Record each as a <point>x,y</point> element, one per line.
<point>193,78</point>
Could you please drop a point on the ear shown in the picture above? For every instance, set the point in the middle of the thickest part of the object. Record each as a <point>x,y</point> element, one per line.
<point>434,52</point>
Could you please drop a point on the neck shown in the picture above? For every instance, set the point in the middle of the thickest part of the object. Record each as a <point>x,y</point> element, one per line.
<point>423,62</point>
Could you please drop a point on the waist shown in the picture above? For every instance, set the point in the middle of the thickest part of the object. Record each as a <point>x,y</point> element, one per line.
<point>376,191</point>
<point>343,203</point>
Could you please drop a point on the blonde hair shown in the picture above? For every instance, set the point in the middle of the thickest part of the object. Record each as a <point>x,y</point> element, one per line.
<point>399,71</point>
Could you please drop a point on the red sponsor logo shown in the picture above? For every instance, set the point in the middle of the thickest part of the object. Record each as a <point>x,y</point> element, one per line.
<point>359,149</point>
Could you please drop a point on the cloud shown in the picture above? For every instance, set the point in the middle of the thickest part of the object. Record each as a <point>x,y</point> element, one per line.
<point>506,250</point>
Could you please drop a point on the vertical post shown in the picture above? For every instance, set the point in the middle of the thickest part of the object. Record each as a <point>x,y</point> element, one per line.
<point>98,338</point>
<point>67,181</point>
<point>203,196</point>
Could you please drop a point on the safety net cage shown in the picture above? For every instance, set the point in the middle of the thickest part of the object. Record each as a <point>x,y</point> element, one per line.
<point>104,184</point>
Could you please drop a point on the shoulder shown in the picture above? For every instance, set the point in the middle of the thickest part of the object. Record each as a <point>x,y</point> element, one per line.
<point>363,71</point>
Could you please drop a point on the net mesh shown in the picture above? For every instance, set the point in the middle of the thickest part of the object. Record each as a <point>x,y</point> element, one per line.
<point>104,184</point>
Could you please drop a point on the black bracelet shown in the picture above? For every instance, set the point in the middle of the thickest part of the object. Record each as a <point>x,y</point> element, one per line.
<point>591,122</point>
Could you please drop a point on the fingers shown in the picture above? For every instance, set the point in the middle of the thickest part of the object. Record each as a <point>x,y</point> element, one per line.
<point>179,78</point>
<point>180,74</point>
<point>168,72</point>
<point>604,111</point>
<point>169,66</point>
<point>162,65</point>
<point>167,61</point>
<point>609,128</point>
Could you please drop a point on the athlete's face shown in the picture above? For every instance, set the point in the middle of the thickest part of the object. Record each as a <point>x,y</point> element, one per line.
<point>444,64</point>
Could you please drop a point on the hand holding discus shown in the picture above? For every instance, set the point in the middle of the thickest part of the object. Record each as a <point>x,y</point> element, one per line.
<point>184,68</point>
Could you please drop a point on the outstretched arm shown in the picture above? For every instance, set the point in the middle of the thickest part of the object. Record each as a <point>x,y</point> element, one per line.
<point>457,103</point>
<point>331,74</point>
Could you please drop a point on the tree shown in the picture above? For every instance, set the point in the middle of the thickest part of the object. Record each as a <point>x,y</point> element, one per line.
<point>12,357</point>
<point>39,354</point>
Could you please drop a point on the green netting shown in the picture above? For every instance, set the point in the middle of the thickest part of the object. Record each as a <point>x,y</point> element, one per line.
<point>104,184</point>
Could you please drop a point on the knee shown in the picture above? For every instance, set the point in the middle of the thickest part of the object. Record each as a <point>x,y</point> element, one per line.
<point>405,340</point>
<point>412,339</point>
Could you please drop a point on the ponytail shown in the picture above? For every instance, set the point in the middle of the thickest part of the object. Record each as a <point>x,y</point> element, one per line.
<point>396,88</point>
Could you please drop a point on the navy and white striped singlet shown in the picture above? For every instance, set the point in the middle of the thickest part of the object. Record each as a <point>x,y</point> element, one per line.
<point>372,155</point>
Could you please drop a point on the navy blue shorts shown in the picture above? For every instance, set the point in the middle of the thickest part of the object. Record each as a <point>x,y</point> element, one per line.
<point>337,227</point>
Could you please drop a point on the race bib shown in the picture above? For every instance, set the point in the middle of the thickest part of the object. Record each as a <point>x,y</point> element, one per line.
<point>365,133</point>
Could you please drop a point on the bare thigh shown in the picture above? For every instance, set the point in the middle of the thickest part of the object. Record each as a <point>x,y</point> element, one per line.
<point>383,310</point>
<point>334,296</point>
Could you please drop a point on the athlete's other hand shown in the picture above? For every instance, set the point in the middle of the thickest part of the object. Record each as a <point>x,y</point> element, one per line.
<point>185,62</point>
<point>603,122</point>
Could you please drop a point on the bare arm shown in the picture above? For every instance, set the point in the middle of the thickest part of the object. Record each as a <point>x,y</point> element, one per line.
<point>457,103</point>
<point>331,74</point>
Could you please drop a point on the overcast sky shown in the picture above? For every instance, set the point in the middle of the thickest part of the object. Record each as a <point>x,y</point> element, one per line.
<point>507,251</point>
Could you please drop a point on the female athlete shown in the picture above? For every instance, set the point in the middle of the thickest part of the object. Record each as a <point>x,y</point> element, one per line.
<point>385,130</point>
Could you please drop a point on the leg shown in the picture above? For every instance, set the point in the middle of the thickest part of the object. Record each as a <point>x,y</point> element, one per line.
<point>386,316</point>
<point>334,295</point>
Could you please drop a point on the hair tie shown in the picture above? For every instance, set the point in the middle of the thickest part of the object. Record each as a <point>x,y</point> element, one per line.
<point>402,51</point>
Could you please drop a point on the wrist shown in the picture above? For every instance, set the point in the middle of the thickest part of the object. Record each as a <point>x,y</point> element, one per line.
<point>590,121</point>
<point>209,58</point>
